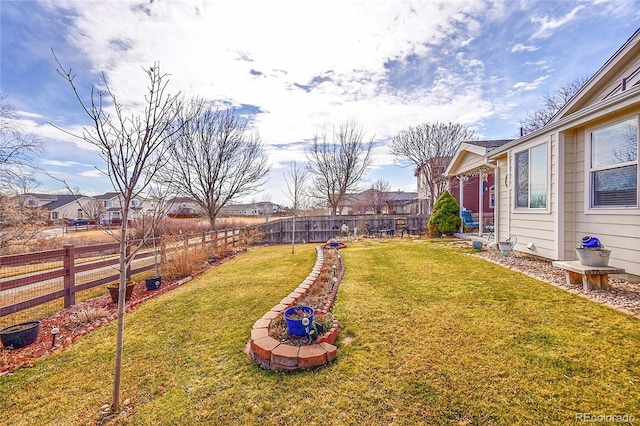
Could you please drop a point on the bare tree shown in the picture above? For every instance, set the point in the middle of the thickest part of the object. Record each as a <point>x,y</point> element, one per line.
<point>94,210</point>
<point>267,206</point>
<point>376,195</point>
<point>551,103</point>
<point>429,148</point>
<point>16,148</point>
<point>338,164</point>
<point>296,180</point>
<point>19,223</point>
<point>133,144</point>
<point>215,159</point>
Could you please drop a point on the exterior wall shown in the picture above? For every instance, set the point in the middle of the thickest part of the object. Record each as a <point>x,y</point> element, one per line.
<point>535,226</point>
<point>471,162</point>
<point>573,189</point>
<point>472,196</point>
<point>617,229</point>
<point>503,198</point>
<point>70,211</point>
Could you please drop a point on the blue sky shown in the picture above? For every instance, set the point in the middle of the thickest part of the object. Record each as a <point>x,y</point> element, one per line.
<point>295,66</point>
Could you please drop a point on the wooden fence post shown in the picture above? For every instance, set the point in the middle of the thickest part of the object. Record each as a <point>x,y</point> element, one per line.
<point>69,262</point>
<point>127,254</point>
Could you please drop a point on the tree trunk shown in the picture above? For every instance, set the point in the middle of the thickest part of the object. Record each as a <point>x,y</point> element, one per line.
<point>117,377</point>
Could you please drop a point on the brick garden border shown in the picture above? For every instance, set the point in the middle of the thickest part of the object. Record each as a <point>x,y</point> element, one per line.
<point>271,354</point>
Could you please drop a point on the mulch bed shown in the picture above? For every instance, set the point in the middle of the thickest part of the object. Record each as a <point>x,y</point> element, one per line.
<point>70,330</point>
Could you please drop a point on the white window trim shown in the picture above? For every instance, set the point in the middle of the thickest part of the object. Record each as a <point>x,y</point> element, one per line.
<point>514,197</point>
<point>605,210</point>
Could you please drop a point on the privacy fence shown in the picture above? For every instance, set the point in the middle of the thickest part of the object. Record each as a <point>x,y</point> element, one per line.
<point>320,229</point>
<point>35,279</point>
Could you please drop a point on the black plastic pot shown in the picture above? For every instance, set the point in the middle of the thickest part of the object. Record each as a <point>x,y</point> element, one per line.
<point>153,283</point>
<point>20,335</point>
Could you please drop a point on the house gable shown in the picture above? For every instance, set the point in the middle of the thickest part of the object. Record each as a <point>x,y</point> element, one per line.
<point>619,74</point>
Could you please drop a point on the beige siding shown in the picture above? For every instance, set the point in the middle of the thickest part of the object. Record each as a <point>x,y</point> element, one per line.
<point>570,190</point>
<point>471,162</point>
<point>617,79</point>
<point>534,226</point>
<point>618,232</point>
<point>503,195</point>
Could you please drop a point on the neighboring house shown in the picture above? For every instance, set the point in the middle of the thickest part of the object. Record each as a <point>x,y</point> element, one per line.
<point>476,187</point>
<point>37,200</point>
<point>373,201</point>
<point>67,207</point>
<point>183,207</point>
<point>577,175</point>
<point>259,208</point>
<point>112,204</point>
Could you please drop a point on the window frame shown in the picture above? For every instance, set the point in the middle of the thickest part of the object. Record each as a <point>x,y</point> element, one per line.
<point>589,207</point>
<point>528,147</point>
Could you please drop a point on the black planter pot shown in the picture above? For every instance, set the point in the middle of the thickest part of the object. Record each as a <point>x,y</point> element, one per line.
<point>153,283</point>
<point>20,335</point>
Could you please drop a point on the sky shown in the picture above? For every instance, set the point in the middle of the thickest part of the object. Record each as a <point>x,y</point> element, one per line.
<point>292,68</point>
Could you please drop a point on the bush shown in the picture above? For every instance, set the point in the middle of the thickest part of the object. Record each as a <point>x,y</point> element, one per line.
<point>445,218</point>
<point>183,261</point>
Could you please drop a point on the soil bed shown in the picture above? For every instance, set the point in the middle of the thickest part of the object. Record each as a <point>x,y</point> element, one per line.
<point>317,296</point>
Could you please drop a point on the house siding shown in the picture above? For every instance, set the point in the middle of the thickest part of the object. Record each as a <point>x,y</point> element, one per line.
<point>533,225</point>
<point>503,194</point>
<point>617,231</point>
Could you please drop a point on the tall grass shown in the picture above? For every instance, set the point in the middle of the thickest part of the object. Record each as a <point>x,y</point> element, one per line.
<point>436,337</point>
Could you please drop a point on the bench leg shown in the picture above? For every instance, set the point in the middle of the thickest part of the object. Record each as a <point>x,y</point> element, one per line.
<point>595,282</point>
<point>573,277</point>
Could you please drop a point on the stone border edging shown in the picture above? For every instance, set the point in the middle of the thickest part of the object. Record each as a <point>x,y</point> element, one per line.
<point>271,354</point>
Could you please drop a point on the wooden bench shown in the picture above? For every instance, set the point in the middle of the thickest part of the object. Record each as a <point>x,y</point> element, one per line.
<point>591,277</point>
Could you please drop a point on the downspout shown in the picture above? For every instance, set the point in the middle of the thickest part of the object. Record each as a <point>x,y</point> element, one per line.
<point>496,204</point>
<point>480,202</point>
<point>461,180</point>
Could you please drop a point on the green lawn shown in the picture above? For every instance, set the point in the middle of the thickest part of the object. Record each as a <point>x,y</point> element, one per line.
<point>439,337</point>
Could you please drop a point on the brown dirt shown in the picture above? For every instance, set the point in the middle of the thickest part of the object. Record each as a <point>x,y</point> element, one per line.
<point>316,297</point>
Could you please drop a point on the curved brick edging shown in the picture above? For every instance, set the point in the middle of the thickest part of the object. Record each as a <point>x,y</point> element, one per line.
<point>270,354</point>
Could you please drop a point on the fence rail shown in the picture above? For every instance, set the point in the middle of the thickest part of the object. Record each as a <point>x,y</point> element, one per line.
<point>314,229</point>
<point>30,280</point>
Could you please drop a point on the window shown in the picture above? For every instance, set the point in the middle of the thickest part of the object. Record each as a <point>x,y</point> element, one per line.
<point>614,165</point>
<point>531,177</point>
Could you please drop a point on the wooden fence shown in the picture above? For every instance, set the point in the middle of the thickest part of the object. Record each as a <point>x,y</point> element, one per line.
<point>315,229</point>
<point>29,280</point>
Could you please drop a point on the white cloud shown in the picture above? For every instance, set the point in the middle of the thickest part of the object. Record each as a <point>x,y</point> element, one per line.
<point>209,52</point>
<point>547,24</point>
<point>92,174</point>
<point>62,163</point>
<point>524,48</point>
<point>522,86</point>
